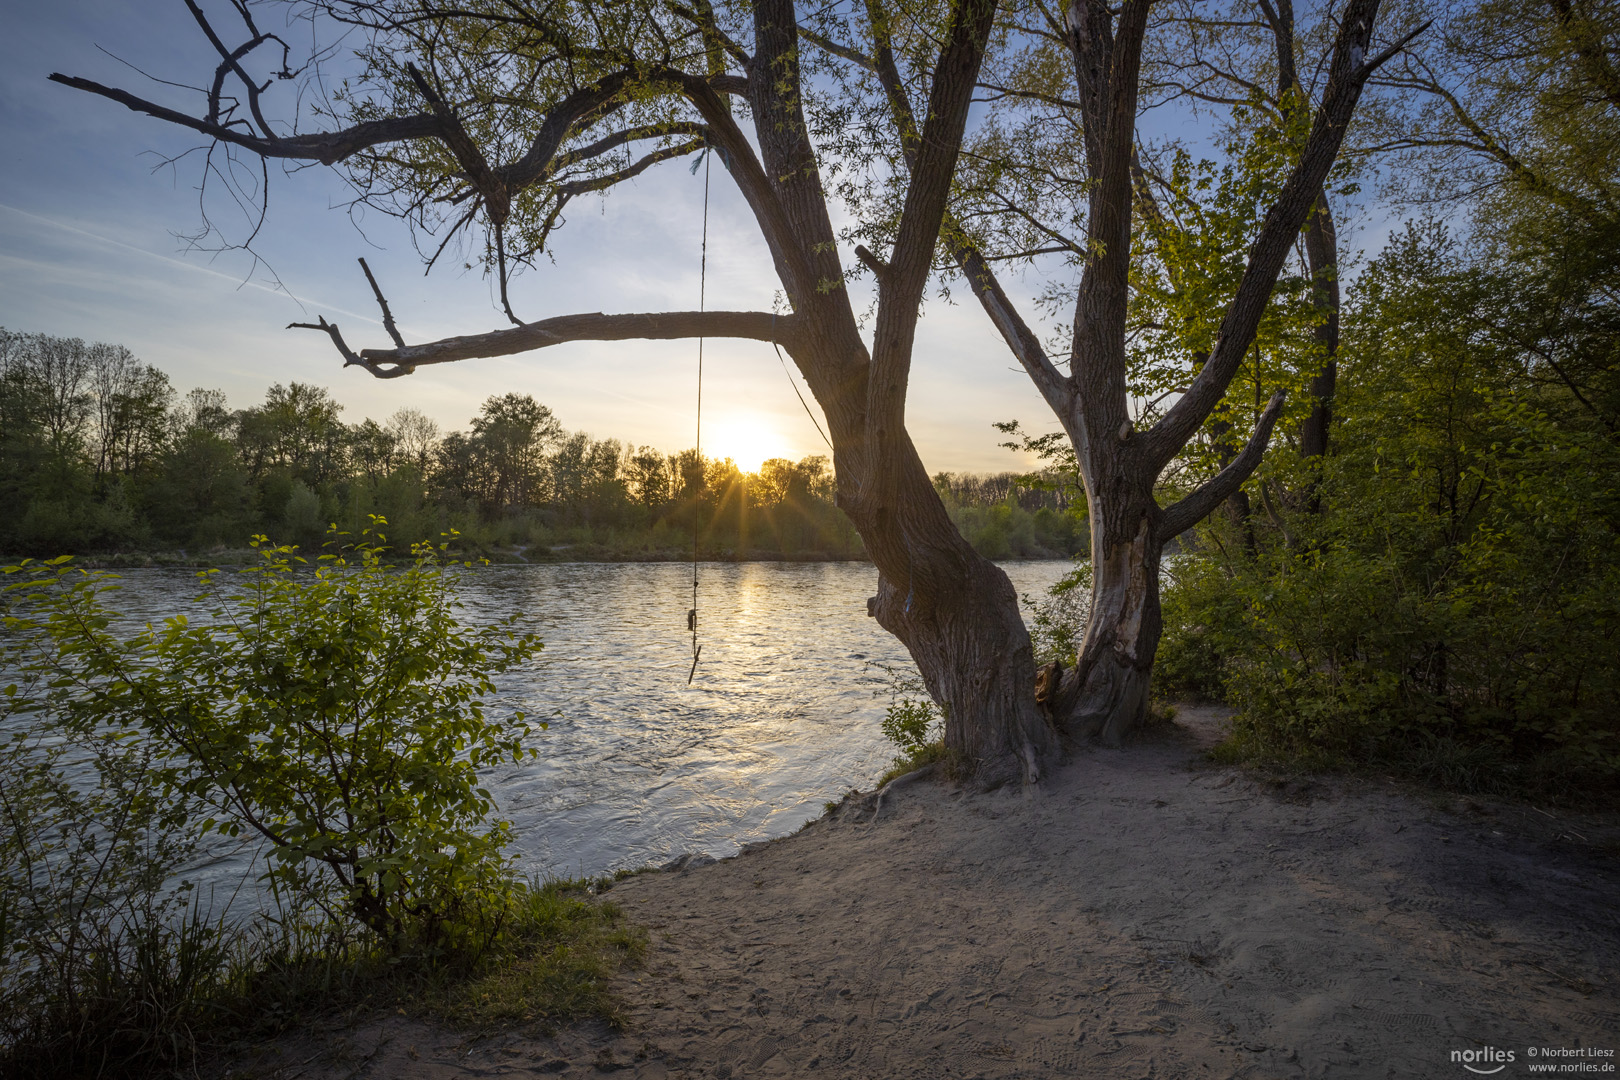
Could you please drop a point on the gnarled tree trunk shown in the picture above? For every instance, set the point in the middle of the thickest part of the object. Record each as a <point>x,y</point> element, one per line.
<point>1115,664</point>
<point>957,614</point>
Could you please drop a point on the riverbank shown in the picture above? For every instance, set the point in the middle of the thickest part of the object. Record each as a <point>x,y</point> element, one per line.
<point>512,555</point>
<point>518,555</point>
<point>1141,914</point>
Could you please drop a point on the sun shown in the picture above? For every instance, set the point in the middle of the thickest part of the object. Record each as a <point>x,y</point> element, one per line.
<point>748,439</point>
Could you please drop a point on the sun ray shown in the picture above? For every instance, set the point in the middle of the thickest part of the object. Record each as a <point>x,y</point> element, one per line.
<point>748,438</point>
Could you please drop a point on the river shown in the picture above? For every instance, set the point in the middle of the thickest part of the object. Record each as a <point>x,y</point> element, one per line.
<point>635,766</point>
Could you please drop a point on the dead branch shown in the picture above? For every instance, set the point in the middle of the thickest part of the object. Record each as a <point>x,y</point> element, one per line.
<point>382,302</point>
<point>327,147</point>
<point>593,326</point>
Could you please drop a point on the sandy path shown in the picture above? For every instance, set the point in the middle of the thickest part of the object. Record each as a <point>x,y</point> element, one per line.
<point>1139,915</point>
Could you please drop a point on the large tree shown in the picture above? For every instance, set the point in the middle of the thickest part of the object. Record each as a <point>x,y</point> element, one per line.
<point>1077,71</point>
<point>1106,689</point>
<point>493,114</point>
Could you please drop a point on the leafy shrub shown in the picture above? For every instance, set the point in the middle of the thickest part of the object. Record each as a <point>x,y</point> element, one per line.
<point>104,954</point>
<point>1058,620</point>
<point>335,710</point>
<point>1441,596</point>
<point>912,721</point>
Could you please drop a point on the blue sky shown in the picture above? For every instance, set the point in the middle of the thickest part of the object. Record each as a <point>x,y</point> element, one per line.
<point>89,247</point>
<point>91,226</point>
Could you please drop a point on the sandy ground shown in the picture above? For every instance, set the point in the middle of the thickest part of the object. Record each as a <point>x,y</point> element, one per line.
<point>1140,914</point>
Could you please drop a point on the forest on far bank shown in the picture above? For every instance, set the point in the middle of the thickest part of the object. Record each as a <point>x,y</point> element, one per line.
<point>100,455</point>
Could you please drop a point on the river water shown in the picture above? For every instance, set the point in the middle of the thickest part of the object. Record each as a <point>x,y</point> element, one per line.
<point>635,766</point>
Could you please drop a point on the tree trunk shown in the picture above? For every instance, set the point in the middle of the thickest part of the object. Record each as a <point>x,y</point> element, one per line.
<point>957,614</point>
<point>1322,254</point>
<point>1106,695</point>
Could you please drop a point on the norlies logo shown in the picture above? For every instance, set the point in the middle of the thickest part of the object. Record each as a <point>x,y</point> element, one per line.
<point>1485,1061</point>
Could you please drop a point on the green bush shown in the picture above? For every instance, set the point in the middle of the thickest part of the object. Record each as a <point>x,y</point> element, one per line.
<point>912,720</point>
<point>1441,596</point>
<point>335,709</point>
<point>104,955</point>
<point>1058,619</point>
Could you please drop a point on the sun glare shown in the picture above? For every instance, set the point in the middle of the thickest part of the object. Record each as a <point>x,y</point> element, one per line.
<point>748,439</point>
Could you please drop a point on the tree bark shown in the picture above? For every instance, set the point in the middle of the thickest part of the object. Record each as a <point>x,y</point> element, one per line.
<point>1322,257</point>
<point>1107,692</point>
<point>957,614</point>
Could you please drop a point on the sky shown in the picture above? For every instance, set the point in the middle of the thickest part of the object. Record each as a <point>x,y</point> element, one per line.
<point>91,245</point>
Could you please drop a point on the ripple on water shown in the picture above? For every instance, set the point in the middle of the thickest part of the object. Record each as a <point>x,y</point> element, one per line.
<point>636,766</point>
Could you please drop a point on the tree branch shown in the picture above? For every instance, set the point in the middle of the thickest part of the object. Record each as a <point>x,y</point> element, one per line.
<point>620,138</point>
<point>328,148</point>
<point>594,326</point>
<point>382,302</point>
<point>598,183</point>
<point>587,101</point>
<point>854,56</point>
<point>932,167</point>
<point>1283,221</point>
<point>712,34</point>
<point>497,197</point>
<point>1183,515</point>
<point>1025,345</point>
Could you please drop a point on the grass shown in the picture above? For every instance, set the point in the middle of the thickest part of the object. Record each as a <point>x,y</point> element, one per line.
<point>922,756</point>
<point>154,999</point>
<point>563,953</point>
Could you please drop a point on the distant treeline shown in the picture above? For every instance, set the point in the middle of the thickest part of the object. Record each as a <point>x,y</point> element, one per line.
<point>99,454</point>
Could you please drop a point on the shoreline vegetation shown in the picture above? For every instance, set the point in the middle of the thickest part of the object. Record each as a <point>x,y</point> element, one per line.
<point>332,710</point>
<point>101,458</point>
<point>225,558</point>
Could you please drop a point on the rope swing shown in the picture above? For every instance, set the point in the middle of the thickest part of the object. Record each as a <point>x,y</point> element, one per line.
<point>703,276</point>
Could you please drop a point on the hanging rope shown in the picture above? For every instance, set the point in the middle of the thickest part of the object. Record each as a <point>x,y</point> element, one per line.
<point>703,279</point>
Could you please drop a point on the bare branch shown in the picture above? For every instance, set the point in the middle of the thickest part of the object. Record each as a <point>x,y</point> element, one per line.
<point>854,56</point>
<point>1027,95</point>
<point>705,23</point>
<point>382,302</point>
<point>619,138</point>
<point>599,183</point>
<point>594,326</point>
<point>350,359</point>
<point>1390,53</point>
<point>1025,345</point>
<point>871,261</point>
<point>327,147</point>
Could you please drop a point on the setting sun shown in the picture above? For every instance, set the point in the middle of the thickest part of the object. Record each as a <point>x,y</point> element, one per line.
<point>747,439</point>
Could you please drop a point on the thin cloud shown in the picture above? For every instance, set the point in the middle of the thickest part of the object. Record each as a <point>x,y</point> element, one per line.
<point>172,261</point>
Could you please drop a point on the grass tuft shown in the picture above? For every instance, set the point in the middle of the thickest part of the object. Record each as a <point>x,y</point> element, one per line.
<point>924,755</point>
<point>561,956</point>
<point>160,998</point>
